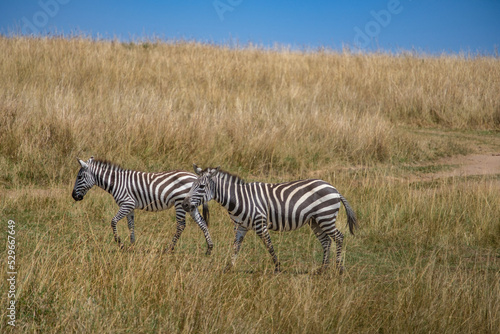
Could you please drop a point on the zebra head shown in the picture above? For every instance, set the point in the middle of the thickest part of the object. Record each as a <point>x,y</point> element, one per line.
<point>202,190</point>
<point>84,180</point>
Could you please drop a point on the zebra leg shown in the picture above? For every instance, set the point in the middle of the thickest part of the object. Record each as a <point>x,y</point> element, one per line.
<point>122,212</point>
<point>263,233</point>
<point>239,235</point>
<point>203,225</point>
<point>180,216</point>
<point>326,243</point>
<point>339,238</point>
<point>130,221</point>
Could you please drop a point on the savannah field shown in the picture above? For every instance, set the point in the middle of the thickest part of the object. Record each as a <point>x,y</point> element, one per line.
<point>385,129</point>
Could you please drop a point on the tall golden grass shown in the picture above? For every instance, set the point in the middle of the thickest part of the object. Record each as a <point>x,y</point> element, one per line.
<point>160,105</point>
<point>425,259</point>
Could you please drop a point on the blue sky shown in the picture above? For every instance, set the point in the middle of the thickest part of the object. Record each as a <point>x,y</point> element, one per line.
<point>430,26</point>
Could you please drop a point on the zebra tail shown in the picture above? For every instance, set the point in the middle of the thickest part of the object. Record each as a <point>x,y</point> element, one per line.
<point>351,216</point>
<point>206,213</point>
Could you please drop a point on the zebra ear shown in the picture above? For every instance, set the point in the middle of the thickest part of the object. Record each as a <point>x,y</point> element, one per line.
<point>197,169</point>
<point>214,171</point>
<point>82,163</point>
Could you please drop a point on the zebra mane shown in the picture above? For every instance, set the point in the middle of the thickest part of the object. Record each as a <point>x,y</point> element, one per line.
<point>107,163</point>
<point>236,178</point>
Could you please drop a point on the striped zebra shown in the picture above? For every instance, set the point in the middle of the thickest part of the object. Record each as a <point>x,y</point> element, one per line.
<point>139,190</point>
<point>277,207</point>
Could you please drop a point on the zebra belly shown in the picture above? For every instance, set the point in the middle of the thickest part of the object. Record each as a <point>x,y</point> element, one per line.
<point>247,223</point>
<point>157,206</point>
<point>286,225</point>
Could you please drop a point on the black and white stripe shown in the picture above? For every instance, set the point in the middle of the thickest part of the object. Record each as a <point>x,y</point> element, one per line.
<point>278,207</point>
<point>139,190</point>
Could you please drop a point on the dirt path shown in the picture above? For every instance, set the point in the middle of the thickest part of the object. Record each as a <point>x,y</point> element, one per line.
<point>473,164</point>
<point>484,161</point>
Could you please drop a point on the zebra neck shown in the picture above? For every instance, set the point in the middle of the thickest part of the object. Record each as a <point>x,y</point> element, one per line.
<point>105,177</point>
<point>229,194</point>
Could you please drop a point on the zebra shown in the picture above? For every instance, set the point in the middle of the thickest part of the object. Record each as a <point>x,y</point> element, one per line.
<point>274,206</point>
<point>140,190</point>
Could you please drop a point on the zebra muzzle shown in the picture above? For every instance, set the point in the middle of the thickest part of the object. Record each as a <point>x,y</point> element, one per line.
<point>76,197</point>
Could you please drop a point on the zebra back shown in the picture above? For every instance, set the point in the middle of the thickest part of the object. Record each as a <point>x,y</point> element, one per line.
<point>150,191</point>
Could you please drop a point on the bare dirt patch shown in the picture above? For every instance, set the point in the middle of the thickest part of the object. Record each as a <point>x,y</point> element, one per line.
<point>474,164</point>
<point>484,158</point>
<point>468,165</point>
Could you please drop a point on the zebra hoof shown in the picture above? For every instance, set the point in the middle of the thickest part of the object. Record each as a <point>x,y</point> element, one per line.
<point>209,249</point>
<point>340,269</point>
<point>227,268</point>
<point>319,271</point>
<point>168,250</point>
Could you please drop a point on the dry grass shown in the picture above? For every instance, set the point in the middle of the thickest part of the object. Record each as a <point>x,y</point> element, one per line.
<point>159,106</point>
<point>418,264</point>
<point>426,258</point>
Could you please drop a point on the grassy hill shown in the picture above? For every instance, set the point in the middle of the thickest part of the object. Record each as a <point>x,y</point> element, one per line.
<point>425,259</point>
